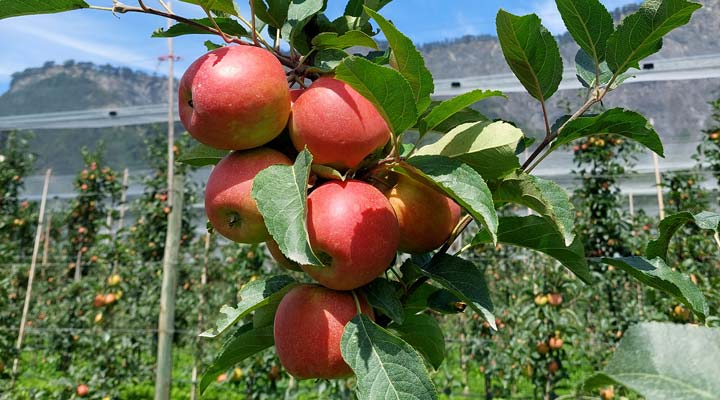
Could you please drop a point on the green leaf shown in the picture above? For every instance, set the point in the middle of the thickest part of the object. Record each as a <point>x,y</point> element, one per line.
<point>15,8</point>
<point>281,195</point>
<point>655,273</point>
<point>224,6</point>
<point>210,46</point>
<point>664,361</point>
<point>461,183</point>
<point>326,172</point>
<point>299,13</point>
<point>384,87</point>
<point>423,333</point>
<point>254,295</point>
<point>228,26</point>
<point>531,52</point>
<point>331,40</point>
<point>272,12</point>
<point>544,196</point>
<point>449,108</point>
<point>245,342</point>
<point>409,62</point>
<point>385,366</point>
<point>640,34</point>
<point>589,23</point>
<point>385,296</point>
<point>328,59</point>
<point>463,279</point>
<point>670,225</point>
<point>444,302</point>
<point>536,233</point>
<point>201,155</point>
<point>463,116</point>
<point>586,73</point>
<point>488,147</point>
<point>618,121</point>
<point>355,16</point>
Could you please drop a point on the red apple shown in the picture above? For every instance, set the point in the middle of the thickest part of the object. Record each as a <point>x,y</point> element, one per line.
<point>229,204</point>
<point>426,217</point>
<point>353,225</point>
<point>338,125</point>
<point>308,327</point>
<point>280,258</point>
<point>82,390</point>
<point>234,98</point>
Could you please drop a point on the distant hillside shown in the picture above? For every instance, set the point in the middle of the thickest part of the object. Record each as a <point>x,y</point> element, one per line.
<point>679,108</point>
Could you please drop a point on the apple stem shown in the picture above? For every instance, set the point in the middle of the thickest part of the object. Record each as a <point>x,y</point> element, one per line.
<point>357,302</point>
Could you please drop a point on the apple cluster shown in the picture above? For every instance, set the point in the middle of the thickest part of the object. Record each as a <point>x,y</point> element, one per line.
<point>238,98</point>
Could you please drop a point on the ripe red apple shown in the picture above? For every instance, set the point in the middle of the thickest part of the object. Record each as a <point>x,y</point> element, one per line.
<point>338,125</point>
<point>426,217</point>
<point>82,390</point>
<point>354,225</point>
<point>308,327</point>
<point>234,98</point>
<point>98,301</point>
<point>556,343</point>
<point>555,299</point>
<point>542,348</point>
<point>110,299</point>
<point>229,205</point>
<point>280,258</point>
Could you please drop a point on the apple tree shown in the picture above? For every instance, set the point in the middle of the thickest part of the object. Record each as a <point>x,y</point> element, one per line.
<point>324,152</point>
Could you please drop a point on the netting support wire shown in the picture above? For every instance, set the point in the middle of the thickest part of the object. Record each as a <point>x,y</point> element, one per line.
<point>166,319</point>
<point>31,274</point>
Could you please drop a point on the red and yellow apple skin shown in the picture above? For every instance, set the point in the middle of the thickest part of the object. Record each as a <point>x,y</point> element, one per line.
<point>229,205</point>
<point>354,225</point>
<point>280,258</point>
<point>309,324</point>
<point>426,217</point>
<point>234,98</point>
<point>338,125</point>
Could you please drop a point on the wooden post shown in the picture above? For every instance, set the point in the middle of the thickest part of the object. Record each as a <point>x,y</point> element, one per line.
<point>31,273</point>
<point>658,182</point>
<point>203,282</point>
<point>631,202</point>
<point>78,271</point>
<point>46,246</point>
<point>121,215</point>
<point>166,320</point>
<point>171,115</point>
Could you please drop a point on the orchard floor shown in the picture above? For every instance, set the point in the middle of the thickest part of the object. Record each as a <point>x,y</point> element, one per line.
<point>43,381</point>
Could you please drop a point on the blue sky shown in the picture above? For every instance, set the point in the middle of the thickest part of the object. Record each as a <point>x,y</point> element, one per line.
<point>100,37</point>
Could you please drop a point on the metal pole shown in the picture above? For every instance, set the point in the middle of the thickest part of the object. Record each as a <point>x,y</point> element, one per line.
<point>631,201</point>
<point>121,214</point>
<point>31,273</point>
<point>658,183</point>
<point>203,282</point>
<point>166,320</point>
<point>171,114</point>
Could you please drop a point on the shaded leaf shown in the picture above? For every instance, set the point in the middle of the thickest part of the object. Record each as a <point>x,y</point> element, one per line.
<point>280,192</point>
<point>618,121</point>
<point>331,40</point>
<point>655,273</point>
<point>227,25</point>
<point>385,296</point>
<point>545,197</point>
<point>224,6</point>
<point>299,13</point>
<point>15,8</point>
<point>423,333</point>
<point>531,52</point>
<point>663,361</point>
<point>463,279</point>
<point>253,295</point>
<point>586,74</point>
<point>244,343</point>
<point>670,225</point>
<point>386,367</point>
<point>272,12</point>
<point>389,91</point>
<point>537,233</point>
<point>640,33</point>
